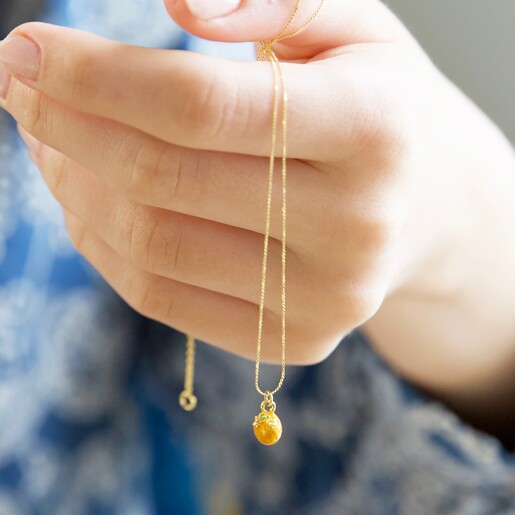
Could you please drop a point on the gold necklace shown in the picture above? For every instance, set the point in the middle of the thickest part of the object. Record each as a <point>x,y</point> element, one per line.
<point>267,425</point>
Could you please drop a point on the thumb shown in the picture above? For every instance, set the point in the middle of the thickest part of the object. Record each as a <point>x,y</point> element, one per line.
<point>339,22</point>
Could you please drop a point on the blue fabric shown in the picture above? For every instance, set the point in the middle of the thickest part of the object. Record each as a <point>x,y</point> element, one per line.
<point>74,438</point>
<point>88,388</point>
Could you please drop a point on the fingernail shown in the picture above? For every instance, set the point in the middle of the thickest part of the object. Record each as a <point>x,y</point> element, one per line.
<point>21,56</point>
<point>32,143</point>
<point>209,9</point>
<point>5,79</point>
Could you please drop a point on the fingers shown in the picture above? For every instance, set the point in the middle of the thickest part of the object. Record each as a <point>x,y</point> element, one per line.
<point>339,22</point>
<point>226,188</point>
<point>187,308</point>
<point>191,250</point>
<point>189,99</point>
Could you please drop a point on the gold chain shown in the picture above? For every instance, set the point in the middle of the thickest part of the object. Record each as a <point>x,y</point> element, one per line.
<point>267,426</point>
<point>267,51</point>
<point>187,398</point>
<point>278,82</point>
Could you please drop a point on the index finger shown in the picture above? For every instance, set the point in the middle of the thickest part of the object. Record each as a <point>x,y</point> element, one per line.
<point>193,100</point>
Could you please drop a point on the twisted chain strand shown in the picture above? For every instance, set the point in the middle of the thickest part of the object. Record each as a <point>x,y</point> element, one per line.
<point>282,36</point>
<point>267,223</point>
<point>266,46</point>
<point>266,51</point>
<point>190,364</point>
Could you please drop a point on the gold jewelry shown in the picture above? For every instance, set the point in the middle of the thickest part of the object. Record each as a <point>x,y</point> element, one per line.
<point>267,425</point>
<point>187,398</point>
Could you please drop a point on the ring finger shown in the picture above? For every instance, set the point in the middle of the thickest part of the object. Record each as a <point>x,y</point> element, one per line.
<point>212,317</point>
<point>192,250</point>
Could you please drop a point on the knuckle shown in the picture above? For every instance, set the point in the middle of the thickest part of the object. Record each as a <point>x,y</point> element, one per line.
<point>164,248</point>
<point>364,300</point>
<point>141,294</point>
<point>184,181</point>
<point>353,296</point>
<point>160,174</point>
<point>373,220</point>
<point>57,175</point>
<point>80,81</point>
<point>386,129</point>
<point>357,301</point>
<point>151,246</point>
<point>141,231</point>
<point>314,345</point>
<point>34,109</point>
<point>318,334</point>
<point>209,107</point>
<point>377,235</point>
<point>146,162</point>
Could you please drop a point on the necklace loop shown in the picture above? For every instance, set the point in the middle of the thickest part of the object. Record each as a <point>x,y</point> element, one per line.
<point>266,51</point>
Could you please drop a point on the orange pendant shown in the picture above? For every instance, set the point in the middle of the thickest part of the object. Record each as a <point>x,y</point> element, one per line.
<point>267,425</point>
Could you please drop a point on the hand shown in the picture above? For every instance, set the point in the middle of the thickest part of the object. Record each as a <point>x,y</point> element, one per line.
<point>159,159</point>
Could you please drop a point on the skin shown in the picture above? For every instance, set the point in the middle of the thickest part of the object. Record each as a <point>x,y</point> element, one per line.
<point>400,192</point>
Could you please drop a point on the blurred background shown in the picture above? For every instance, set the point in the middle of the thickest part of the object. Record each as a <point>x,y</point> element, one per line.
<point>473,43</point>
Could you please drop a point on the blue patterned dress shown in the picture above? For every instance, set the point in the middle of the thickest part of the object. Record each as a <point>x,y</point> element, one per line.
<point>88,388</point>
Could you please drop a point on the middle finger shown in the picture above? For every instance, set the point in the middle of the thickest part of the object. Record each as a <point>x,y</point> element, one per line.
<point>226,188</point>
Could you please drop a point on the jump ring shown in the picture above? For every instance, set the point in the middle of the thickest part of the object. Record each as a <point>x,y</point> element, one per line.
<point>188,401</point>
